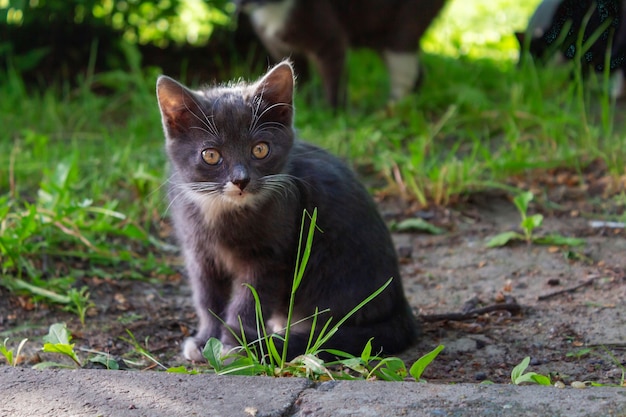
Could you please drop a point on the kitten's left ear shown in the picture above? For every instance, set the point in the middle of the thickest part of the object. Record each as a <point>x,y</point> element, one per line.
<point>177,103</point>
<point>277,86</point>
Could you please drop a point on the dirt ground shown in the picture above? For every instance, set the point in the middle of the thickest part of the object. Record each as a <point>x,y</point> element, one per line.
<point>558,317</point>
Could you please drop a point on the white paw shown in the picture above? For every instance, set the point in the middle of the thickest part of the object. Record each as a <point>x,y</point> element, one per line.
<point>192,351</point>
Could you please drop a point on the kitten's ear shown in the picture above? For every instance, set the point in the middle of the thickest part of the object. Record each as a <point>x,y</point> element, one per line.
<point>177,103</point>
<point>276,87</point>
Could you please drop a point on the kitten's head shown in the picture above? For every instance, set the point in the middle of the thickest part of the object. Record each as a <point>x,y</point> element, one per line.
<point>228,145</point>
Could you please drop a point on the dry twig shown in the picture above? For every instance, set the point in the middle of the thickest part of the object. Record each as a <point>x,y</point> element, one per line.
<point>567,290</point>
<point>511,306</point>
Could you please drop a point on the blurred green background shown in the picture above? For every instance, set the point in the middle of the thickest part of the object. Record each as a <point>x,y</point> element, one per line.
<point>51,40</point>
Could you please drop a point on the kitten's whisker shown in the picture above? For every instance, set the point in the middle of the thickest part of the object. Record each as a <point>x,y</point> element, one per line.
<point>172,199</point>
<point>208,121</point>
<point>203,187</point>
<point>203,130</point>
<point>255,114</point>
<point>205,120</point>
<point>273,106</point>
<point>281,185</point>
<point>163,184</point>
<point>180,189</point>
<point>269,126</point>
<point>168,181</point>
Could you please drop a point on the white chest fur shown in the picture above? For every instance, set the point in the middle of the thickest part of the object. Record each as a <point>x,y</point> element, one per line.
<point>271,17</point>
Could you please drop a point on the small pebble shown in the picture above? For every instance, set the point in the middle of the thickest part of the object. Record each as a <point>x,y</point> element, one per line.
<point>405,252</point>
<point>559,384</point>
<point>480,376</point>
<point>579,385</point>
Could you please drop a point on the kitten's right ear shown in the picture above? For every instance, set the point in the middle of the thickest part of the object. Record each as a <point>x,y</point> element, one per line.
<point>177,103</point>
<point>277,85</point>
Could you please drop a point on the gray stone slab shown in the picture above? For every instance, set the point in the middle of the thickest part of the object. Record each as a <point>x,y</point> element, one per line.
<point>26,392</point>
<point>390,399</point>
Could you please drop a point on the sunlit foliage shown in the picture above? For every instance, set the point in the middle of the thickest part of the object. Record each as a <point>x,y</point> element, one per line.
<point>159,22</point>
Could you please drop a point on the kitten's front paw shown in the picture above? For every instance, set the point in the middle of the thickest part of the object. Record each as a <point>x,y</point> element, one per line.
<point>192,350</point>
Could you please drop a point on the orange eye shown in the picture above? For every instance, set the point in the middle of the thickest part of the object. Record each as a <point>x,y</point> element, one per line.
<point>211,156</point>
<point>260,150</point>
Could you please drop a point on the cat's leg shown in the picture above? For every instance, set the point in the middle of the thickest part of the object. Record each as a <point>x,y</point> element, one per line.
<point>404,72</point>
<point>209,295</point>
<point>412,19</point>
<point>315,30</point>
<point>241,314</point>
<point>330,62</point>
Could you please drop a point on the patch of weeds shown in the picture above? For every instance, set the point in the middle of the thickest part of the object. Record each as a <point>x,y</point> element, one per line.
<point>12,355</point>
<point>528,225</point>
<point>129,318</point>
<point>416,224</point>
<point>518,376</point>
<point>80,302</point>
<point>367,366</point>
<point>58,340</point>
<point>614,360</point>
<point>579,353</point>
<point>141,350</point>
<point>572,255</point>
<point>105,360</point>
<point>75,301</point>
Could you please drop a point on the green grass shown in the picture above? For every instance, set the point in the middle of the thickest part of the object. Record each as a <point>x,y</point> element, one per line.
<point>81,188</point>
<point>474,125</point>
<point>81,192</point>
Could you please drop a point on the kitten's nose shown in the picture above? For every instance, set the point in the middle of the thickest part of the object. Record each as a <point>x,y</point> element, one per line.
<point>241,182</point>
<point>240,177</point>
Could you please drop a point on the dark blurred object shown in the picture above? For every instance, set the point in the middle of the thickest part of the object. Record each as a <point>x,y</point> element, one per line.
<point>554,29</point>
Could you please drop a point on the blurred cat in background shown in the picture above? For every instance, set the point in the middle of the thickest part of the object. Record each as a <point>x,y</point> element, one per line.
<point>323,30</point>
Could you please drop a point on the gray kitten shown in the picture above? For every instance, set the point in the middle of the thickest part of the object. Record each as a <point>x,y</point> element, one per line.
<point>239,185</point>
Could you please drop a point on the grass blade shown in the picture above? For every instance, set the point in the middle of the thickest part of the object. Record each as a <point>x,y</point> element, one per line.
<point>420,365</point>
